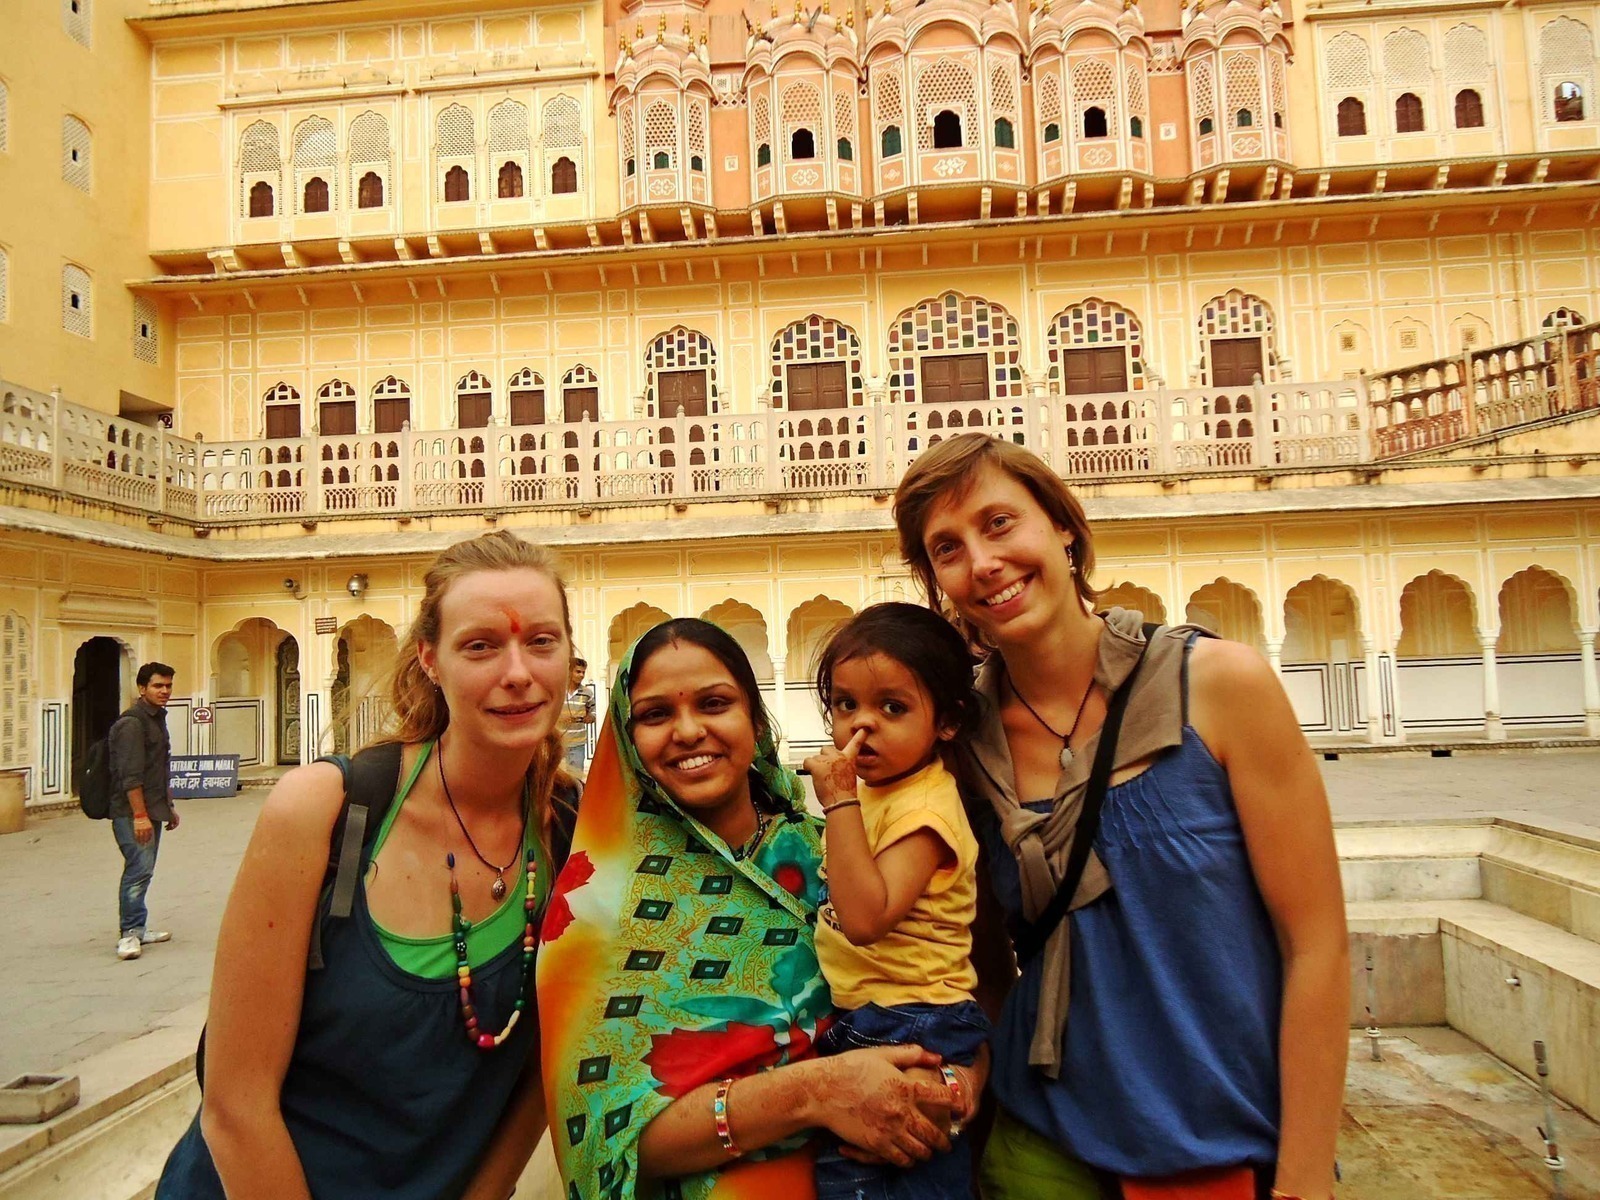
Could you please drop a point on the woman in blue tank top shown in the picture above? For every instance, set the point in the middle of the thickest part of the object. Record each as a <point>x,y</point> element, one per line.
<point>403,1068</point>
<point>1182,1032</point>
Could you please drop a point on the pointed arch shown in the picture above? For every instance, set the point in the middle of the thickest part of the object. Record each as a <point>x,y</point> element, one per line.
<point>1230,610</point>
<point>1438,618</point>
<point>747,627</point>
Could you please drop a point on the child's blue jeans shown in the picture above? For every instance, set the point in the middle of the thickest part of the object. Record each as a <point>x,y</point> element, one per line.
<point>953,1031</point>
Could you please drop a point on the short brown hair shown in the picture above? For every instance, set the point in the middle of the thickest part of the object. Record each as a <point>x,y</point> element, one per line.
<point>947,472</point>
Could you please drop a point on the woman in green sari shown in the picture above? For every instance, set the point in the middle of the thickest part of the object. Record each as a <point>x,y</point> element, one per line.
<point>679,993</point>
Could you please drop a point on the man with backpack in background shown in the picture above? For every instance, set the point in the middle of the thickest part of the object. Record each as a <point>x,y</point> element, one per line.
<point>140,751</point>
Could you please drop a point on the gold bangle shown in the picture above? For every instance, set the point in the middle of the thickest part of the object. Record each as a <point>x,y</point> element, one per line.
<point>719,1113</point>
<point>841,804</point>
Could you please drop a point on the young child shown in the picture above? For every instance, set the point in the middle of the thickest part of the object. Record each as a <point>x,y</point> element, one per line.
<point>894,938</point>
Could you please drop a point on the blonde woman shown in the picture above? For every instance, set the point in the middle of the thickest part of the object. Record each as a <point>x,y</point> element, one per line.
<point>403,1064</point>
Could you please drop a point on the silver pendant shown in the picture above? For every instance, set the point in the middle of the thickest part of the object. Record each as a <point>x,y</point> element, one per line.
<point>1066,757</point>
<point>497,889</point>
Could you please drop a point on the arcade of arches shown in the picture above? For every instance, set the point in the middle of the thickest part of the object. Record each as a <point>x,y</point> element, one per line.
<point>1406,625</point>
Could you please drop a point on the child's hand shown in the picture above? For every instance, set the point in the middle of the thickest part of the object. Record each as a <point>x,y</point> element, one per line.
<point>833,771</point>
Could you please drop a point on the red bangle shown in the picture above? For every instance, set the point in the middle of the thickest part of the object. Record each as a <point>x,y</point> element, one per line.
<point>719,1113</point>
<point>953,1082</point>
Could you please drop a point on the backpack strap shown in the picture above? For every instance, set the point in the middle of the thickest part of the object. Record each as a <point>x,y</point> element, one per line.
<point>1032,936</point>
<point>370,780</point>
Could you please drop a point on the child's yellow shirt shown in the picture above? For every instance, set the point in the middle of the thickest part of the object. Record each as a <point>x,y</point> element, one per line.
<point>927,958</point>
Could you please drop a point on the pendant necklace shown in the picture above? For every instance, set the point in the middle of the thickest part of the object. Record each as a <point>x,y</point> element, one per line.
<point>498,888</point>
<point>1066,750</point>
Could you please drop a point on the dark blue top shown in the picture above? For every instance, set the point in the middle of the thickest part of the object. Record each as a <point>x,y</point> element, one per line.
<point>1171,1055</point>
<point>385,1098</point>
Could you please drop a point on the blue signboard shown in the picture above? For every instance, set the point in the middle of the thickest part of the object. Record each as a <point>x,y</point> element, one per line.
<point>208,775</point>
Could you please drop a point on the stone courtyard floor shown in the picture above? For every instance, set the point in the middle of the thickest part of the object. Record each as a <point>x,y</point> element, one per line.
<point>1438,1118</point>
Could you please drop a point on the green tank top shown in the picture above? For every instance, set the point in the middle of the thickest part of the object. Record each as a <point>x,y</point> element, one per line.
<point>435,957</point>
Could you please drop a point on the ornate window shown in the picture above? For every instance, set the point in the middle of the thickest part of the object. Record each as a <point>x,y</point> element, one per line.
<point>817,341</point>
<point>950,324</point>
<point>456,149</point>
<point>660,134</point>
<point>145,331</point>
<point>1138,99</point>
<point>697,133</point>
<point>391,405</point>
<point>509,147</point>
<point>1005,137</point>
<point>1203,96</point>
<point>75,152</point>
<point>1408,113</point>
<point>1566,68</point>
<point>1280,89</point>
<point>801,117</point>
<point>945,102</point>
<point>889,109</point>
<point>844,121</point>
<point>1568,102</point>
<point>1469,109</point>
<point>1466,61</point>
<point>1352,118</point>
<point>510,180</point>
<point>629,143</point>
<point>1242,78</point>
<point>1049,101</point>
<point>282,411</point>
<point>580,396</point>
<point>671,362</point>
<point>891,141</point>
<point>1562,318</point>
<point>336,409</point>
<point>561,132</point>
<point>1095,325</point>
<point>5,117</point>
<point>17,682</point>
<point>525,390</point>
<point>370,162</point>
<point>77,301</point>
<point>1227,323</point>
<point>76,20</point>
<point>260,169</point>
<point>473,401</point>
<point>316,159</point>
<point>761,126</point>
<point>1094,97</point>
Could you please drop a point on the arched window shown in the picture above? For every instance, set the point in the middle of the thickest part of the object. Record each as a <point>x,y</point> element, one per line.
<point>696,163</point>
<point>1005,136</point>
<point>891,140</point>
<point>1408,113</point>
<point>1052,132</point>
<point>764,155</point>
<point>510,181</point>
<point>662,161</point>
<point>1243,119</point>
<point>946,130</point>
<point>1094,122</point>
<point>316,161</point>
<point>846,151</point>
<point>261,200</point>
<point>369,191</point>
<point>1469,109</point>
<point>564,176</point>
<point>1352,118</point>
<point>315,199</point>
<point>75,152</point>
<point>1207,125</point>
<point>802,144</point>
<point>1568,102</point>
<point>1136,126</point>
<point>633,167</point>
<point>370,158</point>
<point>457,185</point>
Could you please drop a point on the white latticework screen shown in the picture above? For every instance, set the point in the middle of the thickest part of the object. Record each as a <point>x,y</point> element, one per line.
<point>944,85</point>
<point>77,301</point>
<point>949,324</point>
<point>5,117</point>
<point>887,102</point>
<point>260,158</point>
<point>562,124</point>
<point>801,109</point>
<point>661,133</point>
<point>75,152</point>
<point>1003,92</point>
<point>844,113</point>
<point>75,19</point>
<point>1566,55</point>
<point>16,691</point>
<point>145,345</point>
<point>696,122</point>
<point>1047,88</point>
<point>1242,83</point>
<point>761,120</point>
<point>5,285</point>
<point>627,122</point>
<point>1137,91</point>
<point>1406,60</point>
<point>1466,55</point>
<point>455,145</point>
<point>369,145</point>
<point>1279,87</point>
<point>1094,85</point>
<point>508,129</point>
<point>316,153</point>
<point>1202,92</point>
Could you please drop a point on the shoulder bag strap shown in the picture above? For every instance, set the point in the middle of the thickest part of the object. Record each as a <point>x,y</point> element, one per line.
<point>370,779</point>
<point>1032,936</point>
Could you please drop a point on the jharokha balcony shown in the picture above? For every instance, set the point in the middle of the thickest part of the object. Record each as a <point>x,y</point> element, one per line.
<point>52,447</point>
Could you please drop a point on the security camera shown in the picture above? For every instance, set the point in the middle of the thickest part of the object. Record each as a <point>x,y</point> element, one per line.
<point>289,585</point>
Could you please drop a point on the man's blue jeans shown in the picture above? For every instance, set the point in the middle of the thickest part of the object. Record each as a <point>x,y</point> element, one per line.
<point>138,866</point>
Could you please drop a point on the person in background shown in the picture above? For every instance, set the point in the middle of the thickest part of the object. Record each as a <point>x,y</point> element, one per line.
<point>579,717</point>
<point>140,755</point>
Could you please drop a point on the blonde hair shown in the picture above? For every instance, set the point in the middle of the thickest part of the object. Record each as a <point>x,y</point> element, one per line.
<point>947,472</point>
<point>419,708</point>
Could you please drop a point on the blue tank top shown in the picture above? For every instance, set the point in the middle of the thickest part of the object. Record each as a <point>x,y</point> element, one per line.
<point>385,1098</point>
<point>1171,1055</point>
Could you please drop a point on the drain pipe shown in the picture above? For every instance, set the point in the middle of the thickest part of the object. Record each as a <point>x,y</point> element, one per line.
<point>1373,1032</point>
<point>1552,1151</point>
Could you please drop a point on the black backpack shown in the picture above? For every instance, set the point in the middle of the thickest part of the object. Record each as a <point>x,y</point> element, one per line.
<point>95,787</point>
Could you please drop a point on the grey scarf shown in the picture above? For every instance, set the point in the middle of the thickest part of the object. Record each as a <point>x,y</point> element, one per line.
<point>1041,842</point>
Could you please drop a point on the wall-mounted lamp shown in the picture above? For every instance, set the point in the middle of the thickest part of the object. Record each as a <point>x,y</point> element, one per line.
<point>357,585</point>
<point>292,586</point>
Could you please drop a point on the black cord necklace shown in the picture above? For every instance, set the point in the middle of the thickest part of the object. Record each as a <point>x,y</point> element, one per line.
<point>1066,750</point>
<point>498,888</point>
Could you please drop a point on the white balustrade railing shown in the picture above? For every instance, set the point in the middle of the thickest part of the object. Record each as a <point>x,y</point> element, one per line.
<point>50,445</point>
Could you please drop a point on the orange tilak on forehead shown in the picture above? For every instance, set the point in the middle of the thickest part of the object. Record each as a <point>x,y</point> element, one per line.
<point>512,619</point>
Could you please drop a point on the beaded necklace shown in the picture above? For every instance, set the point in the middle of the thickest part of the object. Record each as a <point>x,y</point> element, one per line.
<point>460,925</point>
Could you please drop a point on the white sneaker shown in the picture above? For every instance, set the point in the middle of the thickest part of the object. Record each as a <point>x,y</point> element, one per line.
<point>151,936</point>
<point>129,947</point>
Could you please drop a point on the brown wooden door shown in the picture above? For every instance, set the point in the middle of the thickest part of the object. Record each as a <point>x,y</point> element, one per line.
<point>681,389</point>
<point>472,410</point>
<point>949,378</point>
<point>283,420</point>
<point>390,413</point>
<point>1093,370</point>
<point>1235,362</point>
<point>337,418</point>
<point>581,402</point>
<point>813,386</point>
<point>527,407</point>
